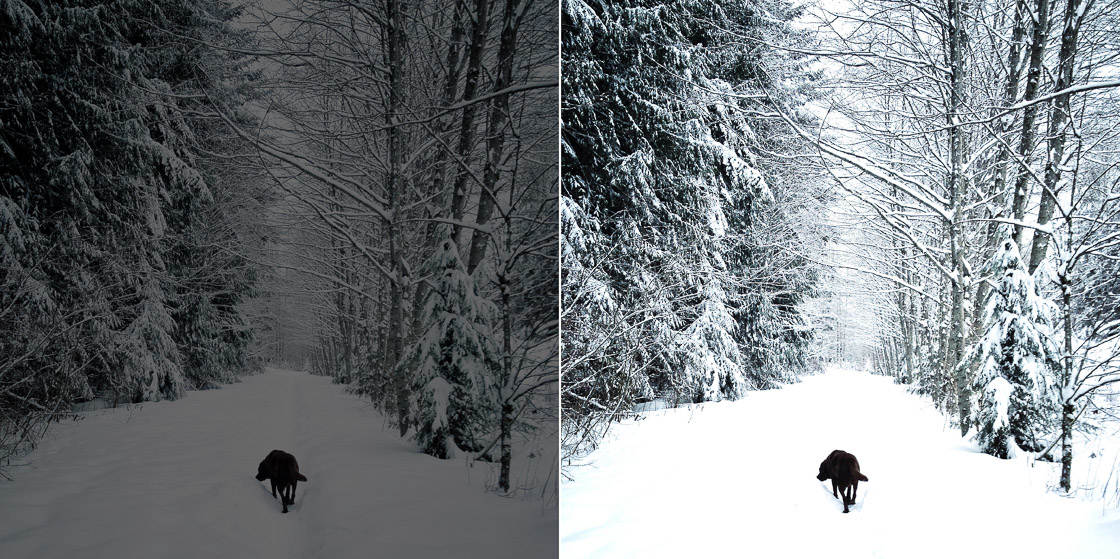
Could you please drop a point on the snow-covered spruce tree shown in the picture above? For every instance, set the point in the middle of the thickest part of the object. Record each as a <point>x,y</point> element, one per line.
<point>210,275</point>
<point>774,212</point>
<point>711,363</point>
<point>80,164</point>
<point>178,84</point>
<point>598,334</point>
<point>36,380</point>
<point>660,102</point>
<point>94,150</point>
<point>711,358</point>
<point>1018,362</point>
<point>452,362</point>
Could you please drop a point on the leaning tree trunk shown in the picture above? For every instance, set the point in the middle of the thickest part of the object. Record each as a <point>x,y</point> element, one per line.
<point>1056,131</point>
<point>1069,385</point>
<point>1056,139</point>
<point>998,193</point>
<point>495,134</point>
<point>450,89</point>
<point>1026,139</point>
<point>479,30</point>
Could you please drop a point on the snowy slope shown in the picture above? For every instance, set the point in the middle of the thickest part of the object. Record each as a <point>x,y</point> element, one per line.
<point>737,479</point>
<point>175,479</point>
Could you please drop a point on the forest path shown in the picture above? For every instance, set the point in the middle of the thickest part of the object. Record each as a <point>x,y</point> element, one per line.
<point>737,479</point>
<point>175,479</point>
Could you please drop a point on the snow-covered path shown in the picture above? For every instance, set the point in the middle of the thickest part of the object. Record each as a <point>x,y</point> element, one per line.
<point>175,479</point>
<point>737,479</point>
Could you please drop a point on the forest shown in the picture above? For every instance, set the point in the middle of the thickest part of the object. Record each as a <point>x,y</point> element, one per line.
<point>753,191</point>
<point>684,232</point>
<point>646,252</point>
<point>193,190</point>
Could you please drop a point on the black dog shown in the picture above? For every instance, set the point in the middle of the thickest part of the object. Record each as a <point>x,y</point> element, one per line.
<point>281,468</point>
<point>843,469</point>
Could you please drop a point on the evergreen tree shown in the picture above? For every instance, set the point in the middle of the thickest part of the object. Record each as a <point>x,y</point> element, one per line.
<point>1018,359</point>
<point>661,168</point>
<point>108,166</point>
<point>80,164</point>
<point>210,281</point>
<point>452,362</point>
<point>1098,303</point>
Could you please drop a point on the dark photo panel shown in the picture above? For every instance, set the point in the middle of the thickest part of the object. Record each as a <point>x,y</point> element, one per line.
<point>279,278</point>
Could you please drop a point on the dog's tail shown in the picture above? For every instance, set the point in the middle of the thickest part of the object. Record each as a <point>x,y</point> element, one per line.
<point>301,478</point>
<point>862,477</point>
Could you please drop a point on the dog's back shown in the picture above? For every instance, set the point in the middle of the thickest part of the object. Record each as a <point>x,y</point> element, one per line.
<point>845,468</point>
<point>285,469</point>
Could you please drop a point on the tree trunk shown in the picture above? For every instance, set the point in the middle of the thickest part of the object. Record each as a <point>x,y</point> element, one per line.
<point>495,133</point>
<point>959,283</point>
<point>908,337</point>
<point>479,30</point>
<point>1067,380</point>
<point>998,193</point>
<point>507,432</point>
<point>395,185</point>
<point>450,88</point>
<point>1026,139</point>
<point>1056,130</point>
<point>509,387</point>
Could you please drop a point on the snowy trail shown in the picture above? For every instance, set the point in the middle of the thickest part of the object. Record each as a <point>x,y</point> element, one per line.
<point>737,479</point>
<point>175,479</point>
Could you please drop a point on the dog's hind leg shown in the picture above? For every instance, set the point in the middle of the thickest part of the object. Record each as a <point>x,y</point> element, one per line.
<point>855,487</point>
<point>294,491</point>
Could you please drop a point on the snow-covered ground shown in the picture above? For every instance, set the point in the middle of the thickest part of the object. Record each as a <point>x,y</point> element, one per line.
<point>175,479</point>
<point>737,479</point>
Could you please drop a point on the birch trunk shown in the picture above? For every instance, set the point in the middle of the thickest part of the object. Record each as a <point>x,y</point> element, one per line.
<point>395,186</point>
<point>955,351</point>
